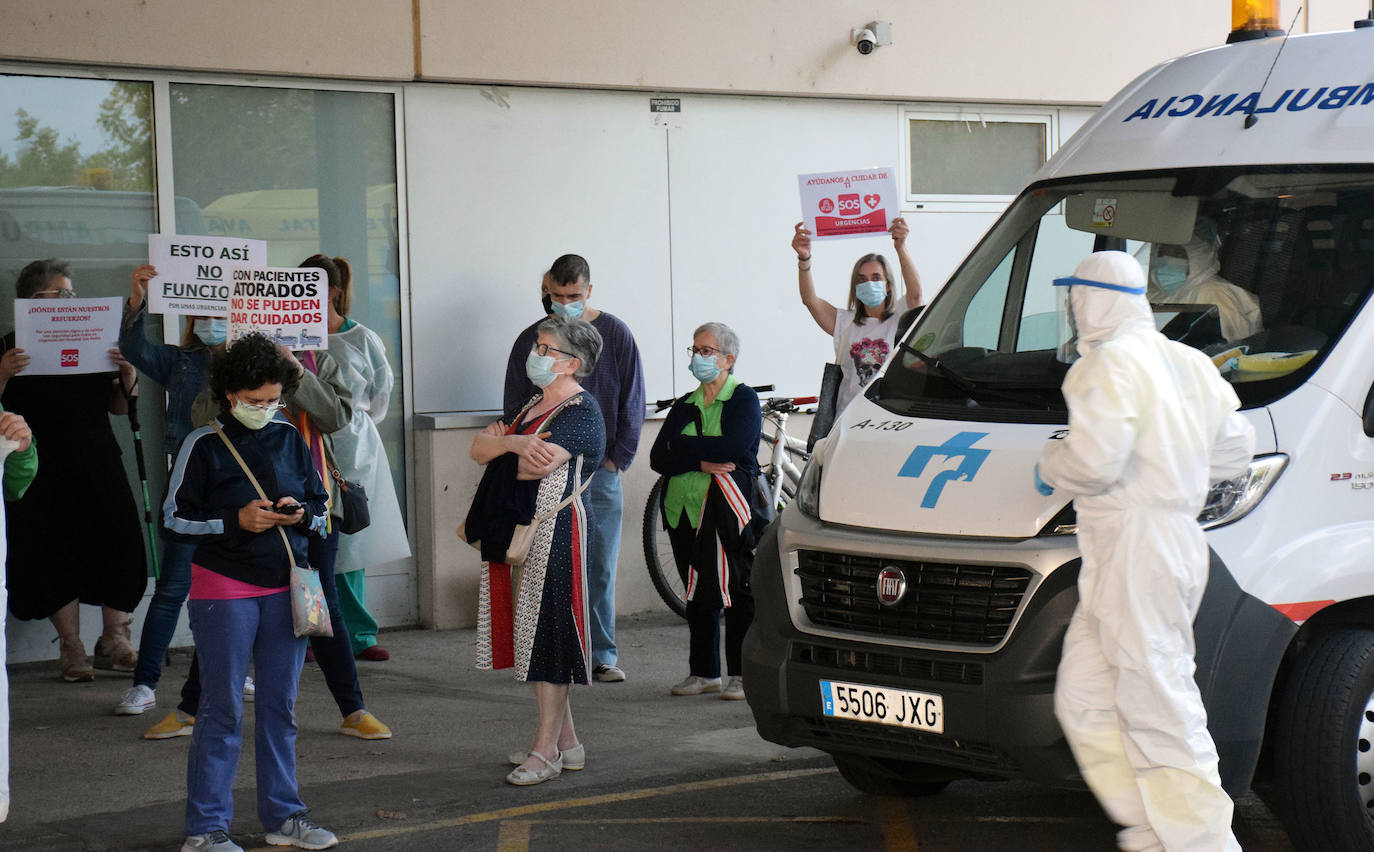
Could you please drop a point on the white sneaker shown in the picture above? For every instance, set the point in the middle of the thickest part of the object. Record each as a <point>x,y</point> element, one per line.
<point>694,685</point>
<point>734,689</point>
<point>250,690</point>
<point>137,699</point>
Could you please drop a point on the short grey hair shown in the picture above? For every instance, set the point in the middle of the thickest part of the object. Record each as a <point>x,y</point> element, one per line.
<point>727,340</point>
<point>576,337</point>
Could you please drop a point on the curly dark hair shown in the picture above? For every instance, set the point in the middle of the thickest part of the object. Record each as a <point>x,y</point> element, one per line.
<point>253,361</point>
<point>36,276</point>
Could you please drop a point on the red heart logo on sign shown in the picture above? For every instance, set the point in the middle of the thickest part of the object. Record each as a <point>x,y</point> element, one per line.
<point>872,200</point>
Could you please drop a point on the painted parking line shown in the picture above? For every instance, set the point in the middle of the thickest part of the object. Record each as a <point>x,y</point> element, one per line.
<point>524,811</point>
<point>515,834</point>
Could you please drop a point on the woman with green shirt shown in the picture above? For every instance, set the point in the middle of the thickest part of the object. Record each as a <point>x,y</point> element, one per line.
<point>709,446</point>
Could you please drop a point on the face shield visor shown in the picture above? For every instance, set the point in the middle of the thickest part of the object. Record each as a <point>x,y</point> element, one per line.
<point>1070,322</point>
<point>1066,326</point>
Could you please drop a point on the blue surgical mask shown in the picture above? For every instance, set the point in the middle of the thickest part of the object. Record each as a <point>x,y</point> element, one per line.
<point>572,310</point>
<point>540,368</point>
<point>871,293</point>
<point>212,332</point>
<point>704,369</point>
<point>1171,272</point>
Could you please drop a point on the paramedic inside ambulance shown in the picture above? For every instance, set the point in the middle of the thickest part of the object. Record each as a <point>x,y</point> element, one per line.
<point>1187,274</point>
<point>1151,425</point>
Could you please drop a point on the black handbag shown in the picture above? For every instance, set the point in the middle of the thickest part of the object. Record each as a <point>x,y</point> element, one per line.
<point>353,504</point>
<point>825,407</point>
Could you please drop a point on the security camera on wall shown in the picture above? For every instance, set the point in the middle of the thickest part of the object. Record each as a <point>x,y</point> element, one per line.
<point>876,34</point>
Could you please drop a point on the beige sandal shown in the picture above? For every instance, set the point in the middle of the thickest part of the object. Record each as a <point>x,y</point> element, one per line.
<point>573,758</point>
<point>522,777</point>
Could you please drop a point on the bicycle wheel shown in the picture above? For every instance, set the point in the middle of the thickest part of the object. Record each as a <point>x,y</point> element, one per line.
<point>658,554</point>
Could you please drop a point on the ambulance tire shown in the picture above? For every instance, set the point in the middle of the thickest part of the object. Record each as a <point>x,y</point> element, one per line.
<point>1324,745</point>
<point>905,779</point>
<point>658,554</point>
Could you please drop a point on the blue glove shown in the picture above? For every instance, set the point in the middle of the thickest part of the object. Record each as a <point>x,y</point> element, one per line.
<point>1040,483</point>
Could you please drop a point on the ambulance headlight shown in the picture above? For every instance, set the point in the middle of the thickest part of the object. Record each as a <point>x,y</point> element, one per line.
<point>1232,499</point>
<point>809,489</point>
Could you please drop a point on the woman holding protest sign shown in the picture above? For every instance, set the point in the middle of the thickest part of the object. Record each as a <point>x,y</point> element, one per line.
<point>60,557</point>
<point>865,329</point>
<point>182,371</point>
<point>361,457</point>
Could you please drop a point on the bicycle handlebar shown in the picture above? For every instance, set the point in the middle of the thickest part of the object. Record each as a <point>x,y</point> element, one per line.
<point>660,404</point>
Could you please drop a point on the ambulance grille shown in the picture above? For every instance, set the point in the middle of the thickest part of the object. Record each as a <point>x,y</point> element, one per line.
<point>966,604</point>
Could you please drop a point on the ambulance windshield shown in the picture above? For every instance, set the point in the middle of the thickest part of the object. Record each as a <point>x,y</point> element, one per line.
<point>1262,269</point>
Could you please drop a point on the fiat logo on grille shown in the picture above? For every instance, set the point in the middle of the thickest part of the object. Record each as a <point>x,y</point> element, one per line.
<point>891,586</point>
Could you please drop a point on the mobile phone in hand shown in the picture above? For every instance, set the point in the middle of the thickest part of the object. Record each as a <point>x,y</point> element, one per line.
<point>285,508</point>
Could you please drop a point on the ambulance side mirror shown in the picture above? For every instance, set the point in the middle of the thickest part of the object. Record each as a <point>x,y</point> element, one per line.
<point>1369,413</point>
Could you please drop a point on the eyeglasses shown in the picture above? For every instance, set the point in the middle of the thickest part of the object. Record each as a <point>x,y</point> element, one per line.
<point>275,405</point>
<point>67,293</point>
<point>543,349</point>
<point>704,351</point>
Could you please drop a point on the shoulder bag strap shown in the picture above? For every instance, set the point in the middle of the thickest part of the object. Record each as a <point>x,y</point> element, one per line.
<point>579,486</point>
<point>253,479</point>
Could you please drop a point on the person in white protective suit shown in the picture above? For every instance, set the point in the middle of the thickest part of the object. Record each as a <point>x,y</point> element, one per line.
<point>1151,425</point>
<point>361,456</point>
<point>1188,275</point>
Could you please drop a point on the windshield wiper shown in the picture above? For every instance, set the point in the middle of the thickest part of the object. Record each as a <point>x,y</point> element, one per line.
<point>976,394</point>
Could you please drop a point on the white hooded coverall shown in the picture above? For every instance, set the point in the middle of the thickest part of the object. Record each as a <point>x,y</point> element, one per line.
<point>1237,308</point>
<point>1151,425</point>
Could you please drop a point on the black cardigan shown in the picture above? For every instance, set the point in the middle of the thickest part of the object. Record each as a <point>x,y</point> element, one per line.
<point>741,423</point>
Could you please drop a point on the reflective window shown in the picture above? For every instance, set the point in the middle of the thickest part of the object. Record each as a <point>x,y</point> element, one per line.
<point>309,172</point>
<point>974,155</point>
<point>76,163</point>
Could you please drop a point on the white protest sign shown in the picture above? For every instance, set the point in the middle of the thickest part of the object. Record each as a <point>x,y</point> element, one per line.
<point>286,304</point>
<point>67,336</point>
<point>849,204</point>
<point>193,272</point>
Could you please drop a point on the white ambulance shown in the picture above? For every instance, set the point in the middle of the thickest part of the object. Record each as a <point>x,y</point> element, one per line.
<point>912,601</point>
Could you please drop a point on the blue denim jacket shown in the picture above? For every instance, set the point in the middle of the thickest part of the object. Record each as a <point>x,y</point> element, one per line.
<point>183,372</point>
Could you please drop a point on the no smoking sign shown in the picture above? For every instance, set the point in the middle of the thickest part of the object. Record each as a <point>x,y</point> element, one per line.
<point>1104,212</point>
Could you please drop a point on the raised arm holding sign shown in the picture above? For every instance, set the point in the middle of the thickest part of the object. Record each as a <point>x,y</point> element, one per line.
<point>192,272</point>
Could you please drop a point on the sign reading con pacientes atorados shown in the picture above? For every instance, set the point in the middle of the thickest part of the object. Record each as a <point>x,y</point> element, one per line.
<point>286,304</point>
<point>67,336</point>
<point>849,204</point>
<point>193,272</point>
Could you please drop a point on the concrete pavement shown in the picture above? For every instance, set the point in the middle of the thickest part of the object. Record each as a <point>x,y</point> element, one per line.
<point>83,778</point>
<point>689,772</point>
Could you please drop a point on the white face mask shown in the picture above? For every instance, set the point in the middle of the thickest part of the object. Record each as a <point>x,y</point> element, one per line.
<point>253,417</point>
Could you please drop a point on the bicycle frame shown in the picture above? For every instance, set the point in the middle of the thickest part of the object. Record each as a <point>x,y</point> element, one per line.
<point>781,468</point>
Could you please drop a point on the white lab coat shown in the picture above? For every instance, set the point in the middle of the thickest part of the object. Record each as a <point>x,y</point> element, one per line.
<point>1151,425</point>
<point>359,453</point>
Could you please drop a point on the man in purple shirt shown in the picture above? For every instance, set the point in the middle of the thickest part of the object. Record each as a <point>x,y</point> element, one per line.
<point>617,384</point>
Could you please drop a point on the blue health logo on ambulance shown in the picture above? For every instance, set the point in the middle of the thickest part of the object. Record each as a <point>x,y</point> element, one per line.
<point>959,446</point>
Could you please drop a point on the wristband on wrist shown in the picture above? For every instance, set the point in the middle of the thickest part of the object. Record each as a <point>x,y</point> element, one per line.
<point>805,268</point>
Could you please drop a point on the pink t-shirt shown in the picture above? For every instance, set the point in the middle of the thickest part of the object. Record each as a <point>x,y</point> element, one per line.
<point>206,585</point>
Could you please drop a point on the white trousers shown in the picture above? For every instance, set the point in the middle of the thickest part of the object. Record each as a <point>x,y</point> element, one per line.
<point>1125,694</point>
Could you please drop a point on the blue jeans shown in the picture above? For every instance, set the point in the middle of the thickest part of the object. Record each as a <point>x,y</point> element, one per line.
<point>228,635</point>
<point>333,653</point>
<point>160,622</point>
<point>603,499</point>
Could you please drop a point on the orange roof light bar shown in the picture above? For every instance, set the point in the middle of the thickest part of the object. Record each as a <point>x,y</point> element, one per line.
<point>1252,19</point>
